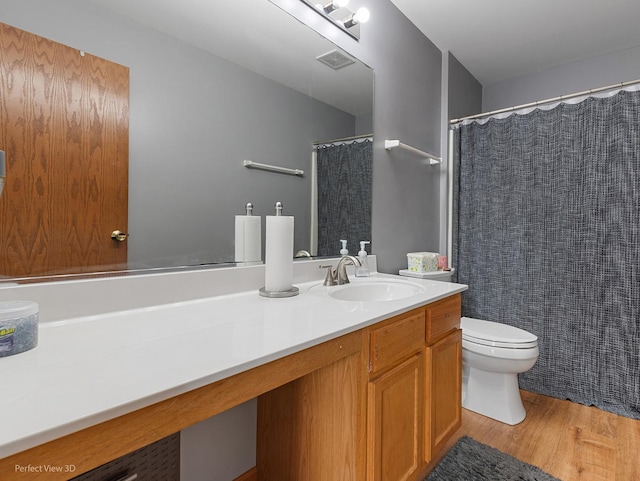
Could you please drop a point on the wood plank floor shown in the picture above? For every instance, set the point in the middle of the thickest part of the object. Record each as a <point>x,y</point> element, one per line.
<point>567,440</point>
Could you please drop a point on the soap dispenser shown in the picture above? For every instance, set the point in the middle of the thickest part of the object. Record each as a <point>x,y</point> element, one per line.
<point>344,251</point>
<point>363,270</point>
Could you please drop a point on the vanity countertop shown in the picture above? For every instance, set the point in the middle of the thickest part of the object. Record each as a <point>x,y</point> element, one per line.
<point>87,370</point>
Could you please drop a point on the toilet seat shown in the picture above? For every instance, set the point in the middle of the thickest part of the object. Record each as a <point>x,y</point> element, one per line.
<point>494,334</point>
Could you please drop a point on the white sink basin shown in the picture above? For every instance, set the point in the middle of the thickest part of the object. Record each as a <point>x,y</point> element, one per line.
<point>370,290</point>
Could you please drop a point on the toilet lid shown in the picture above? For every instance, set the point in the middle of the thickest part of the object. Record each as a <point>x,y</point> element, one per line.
<point>495,334</point>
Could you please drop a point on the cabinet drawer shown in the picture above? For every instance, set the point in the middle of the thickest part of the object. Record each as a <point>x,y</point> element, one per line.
<point>396,340</point>
<point>443,316</point>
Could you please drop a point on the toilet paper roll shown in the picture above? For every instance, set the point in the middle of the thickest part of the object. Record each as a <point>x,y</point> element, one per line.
<point>279,254</point>
<point>248,238</point>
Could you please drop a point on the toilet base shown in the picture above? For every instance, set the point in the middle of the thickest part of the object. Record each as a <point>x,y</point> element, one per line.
<point>493,394</point>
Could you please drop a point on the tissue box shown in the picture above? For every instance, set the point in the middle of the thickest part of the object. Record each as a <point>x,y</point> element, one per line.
<point>422,261</point>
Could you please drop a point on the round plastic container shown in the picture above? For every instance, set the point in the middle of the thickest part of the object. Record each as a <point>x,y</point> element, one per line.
<point>18,327</point>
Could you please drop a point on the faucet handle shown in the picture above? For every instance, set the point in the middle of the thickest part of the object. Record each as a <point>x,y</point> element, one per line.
<point>329,280</point>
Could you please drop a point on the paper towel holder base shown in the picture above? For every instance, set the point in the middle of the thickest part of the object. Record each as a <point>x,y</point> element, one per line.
<point>294,291</point>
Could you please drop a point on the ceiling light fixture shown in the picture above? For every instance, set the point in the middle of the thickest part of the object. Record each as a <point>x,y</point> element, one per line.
<point>336,12</point>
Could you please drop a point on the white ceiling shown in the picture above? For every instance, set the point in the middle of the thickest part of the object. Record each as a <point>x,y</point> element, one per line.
<point>495,39</point>
<point>501,39</point>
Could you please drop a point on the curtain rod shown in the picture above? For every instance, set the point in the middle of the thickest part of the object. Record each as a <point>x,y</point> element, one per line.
<point>344,139</point>
<point>547,101</point>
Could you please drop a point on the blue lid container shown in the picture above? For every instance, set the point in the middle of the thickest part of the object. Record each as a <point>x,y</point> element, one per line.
<point>18,327</point>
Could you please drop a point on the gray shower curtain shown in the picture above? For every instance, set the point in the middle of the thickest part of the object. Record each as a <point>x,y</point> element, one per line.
<point>547,235</point>
<point>344,195</point>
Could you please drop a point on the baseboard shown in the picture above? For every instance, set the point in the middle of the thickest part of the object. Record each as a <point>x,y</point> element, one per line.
<point>251,475</point>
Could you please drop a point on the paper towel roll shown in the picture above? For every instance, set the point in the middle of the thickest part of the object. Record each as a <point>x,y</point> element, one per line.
<point>279,253</point>
<point>248,238</point>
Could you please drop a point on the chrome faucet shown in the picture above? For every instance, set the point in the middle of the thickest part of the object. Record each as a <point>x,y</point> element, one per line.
<point>339,275</point>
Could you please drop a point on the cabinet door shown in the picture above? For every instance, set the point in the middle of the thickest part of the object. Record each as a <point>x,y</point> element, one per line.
<point>443,392</point>
<point>395,422</point>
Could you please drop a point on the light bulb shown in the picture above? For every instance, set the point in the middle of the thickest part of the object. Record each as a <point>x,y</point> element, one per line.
<point>334,5</point>
<point>362,15</point>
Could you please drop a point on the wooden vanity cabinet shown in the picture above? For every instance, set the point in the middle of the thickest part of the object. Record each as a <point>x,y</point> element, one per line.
<point>377,415</point>
<point>414,392</point>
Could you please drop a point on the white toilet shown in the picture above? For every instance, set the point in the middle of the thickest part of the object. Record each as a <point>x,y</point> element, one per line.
<point>492,356</point>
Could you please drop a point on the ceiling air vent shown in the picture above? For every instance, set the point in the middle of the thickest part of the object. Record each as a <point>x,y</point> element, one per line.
<point>335,59</point>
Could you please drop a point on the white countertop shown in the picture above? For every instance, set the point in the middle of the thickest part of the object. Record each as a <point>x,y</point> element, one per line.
<point>87,370</point>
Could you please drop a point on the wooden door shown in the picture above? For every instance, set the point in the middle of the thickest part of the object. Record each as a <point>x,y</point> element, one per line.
<point>443,391</point>
<point>395,423</point>
<point>64,125</point>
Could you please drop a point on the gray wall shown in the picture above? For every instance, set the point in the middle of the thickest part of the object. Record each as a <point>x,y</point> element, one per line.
<point>407,107</point>
<point>194,118</point>
<point>564,79</point>
<point>407,68</point>
<point>465,92</point>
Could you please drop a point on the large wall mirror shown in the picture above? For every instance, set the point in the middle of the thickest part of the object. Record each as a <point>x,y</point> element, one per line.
<point>211,84</point>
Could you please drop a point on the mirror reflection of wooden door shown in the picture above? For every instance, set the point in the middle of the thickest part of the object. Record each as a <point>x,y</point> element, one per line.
<point>64,125</point>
